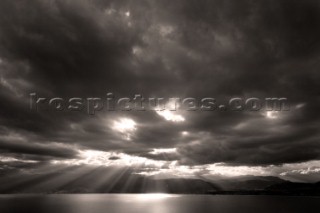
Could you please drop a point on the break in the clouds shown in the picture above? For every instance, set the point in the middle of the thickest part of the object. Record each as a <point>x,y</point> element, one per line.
<point>221,49</point>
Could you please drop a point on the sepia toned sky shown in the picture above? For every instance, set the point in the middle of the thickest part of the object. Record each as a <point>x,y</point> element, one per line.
<point>182,48</point>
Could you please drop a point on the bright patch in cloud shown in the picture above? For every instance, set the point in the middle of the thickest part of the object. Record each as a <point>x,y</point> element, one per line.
<point>11,159</point>
<point>299,106</point>
<point>101,158</point>
<point>184,133</point>
<point>171,116</point>
<point>126,126</point>
<point>170,113</point>
<point>163,151</point>
<point>272,114</point>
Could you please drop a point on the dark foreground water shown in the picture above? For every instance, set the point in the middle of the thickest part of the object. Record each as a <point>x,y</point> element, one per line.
<point>156,203</point>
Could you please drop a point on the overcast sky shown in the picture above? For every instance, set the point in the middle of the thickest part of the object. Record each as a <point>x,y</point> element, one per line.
<point>181,48</point>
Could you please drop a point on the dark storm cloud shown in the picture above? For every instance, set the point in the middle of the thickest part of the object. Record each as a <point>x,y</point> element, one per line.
<point>182,48</point>
<point>70,41</point>
<point>49,149</point>
<point>253,151</point>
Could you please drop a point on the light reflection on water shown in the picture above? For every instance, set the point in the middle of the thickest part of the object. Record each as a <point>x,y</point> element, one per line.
<point>153,196</point>
<point>155,203</point>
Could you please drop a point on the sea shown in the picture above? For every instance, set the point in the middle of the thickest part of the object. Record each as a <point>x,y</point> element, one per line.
<point>156,203</point>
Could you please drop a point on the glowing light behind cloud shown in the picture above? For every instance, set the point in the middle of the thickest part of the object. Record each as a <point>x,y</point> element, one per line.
<point>125,126</point>
<point>101,158</point>
<point>149,167</point>
<point>163,151</point>
<point>171,116</point>
<point>272,114</point>
<point>184,133</point>
<point>170,113</point>
<point>12,159</point>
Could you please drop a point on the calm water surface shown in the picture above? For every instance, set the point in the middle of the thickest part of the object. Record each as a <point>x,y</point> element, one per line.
<point>156,203</point>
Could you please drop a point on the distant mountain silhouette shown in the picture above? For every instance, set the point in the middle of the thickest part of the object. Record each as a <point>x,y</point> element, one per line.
<point>248,182</point>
